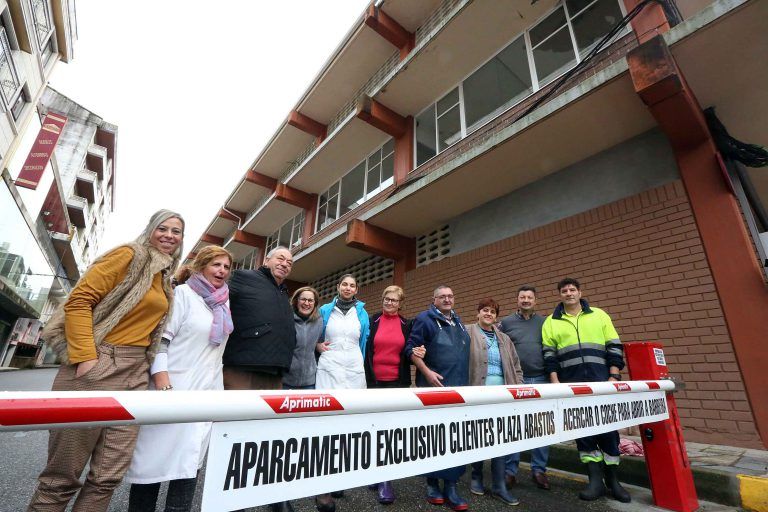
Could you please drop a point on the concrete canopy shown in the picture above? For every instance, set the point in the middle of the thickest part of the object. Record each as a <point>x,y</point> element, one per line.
<point>450,56</point>
<point>346,147</point>
<point>270,217</point>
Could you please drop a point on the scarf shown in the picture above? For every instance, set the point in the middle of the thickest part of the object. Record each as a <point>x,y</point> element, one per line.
<point>345,305</point>
<point>216,299</point>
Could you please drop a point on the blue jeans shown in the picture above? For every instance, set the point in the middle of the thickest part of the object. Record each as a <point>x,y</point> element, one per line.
<point>539,456</point>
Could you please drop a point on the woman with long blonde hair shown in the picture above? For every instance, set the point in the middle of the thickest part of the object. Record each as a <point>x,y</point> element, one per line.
<point>105,334</point>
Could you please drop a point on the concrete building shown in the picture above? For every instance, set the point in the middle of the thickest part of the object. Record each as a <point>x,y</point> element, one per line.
<point>68,211</point>
<point>44,225</point>
<point>486,145</point>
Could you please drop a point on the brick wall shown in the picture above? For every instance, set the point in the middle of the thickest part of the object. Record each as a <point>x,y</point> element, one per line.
<point>641,260</point>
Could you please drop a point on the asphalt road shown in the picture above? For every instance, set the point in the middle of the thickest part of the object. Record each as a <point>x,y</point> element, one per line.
<point>22,456</point>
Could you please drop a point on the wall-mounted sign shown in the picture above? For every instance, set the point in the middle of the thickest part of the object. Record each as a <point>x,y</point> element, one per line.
<point>41,151</point>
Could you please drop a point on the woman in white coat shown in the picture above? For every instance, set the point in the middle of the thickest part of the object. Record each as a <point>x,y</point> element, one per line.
<point>193,343</point>
<point>345,332</point>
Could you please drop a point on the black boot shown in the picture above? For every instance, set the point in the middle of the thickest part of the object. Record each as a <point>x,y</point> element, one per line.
<point>595,489</point>
<point>499,485</point>
<point>619,493</point>
<point>283,506</point>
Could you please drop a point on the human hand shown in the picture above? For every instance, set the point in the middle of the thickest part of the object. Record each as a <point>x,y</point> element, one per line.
<point>434,379</point>
<point>161,380</point>
<point>323,346</point>
<point>84,367</point>
<point>419,351</point>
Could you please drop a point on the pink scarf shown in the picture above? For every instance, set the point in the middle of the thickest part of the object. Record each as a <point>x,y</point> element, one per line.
<point>216,299</point>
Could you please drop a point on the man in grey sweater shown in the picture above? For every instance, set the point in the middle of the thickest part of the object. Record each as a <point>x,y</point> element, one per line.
<point>524,328</point>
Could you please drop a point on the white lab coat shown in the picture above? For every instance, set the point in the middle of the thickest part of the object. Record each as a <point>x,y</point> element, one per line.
<point>174,451</point>
<point>341,367</point>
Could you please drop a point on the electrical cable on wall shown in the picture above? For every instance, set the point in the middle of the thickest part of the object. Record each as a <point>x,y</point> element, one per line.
<point>750,155</point>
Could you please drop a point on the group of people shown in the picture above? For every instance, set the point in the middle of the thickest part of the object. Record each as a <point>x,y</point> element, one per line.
<point>124,327</point>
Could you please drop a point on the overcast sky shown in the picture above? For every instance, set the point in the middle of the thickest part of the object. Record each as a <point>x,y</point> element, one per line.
<point>196,89</point>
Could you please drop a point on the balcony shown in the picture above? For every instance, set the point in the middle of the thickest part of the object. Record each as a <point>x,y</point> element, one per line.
<point>85,185</point>
<point>96,160</point>
<point>77,207</point>
<point>68,248</point>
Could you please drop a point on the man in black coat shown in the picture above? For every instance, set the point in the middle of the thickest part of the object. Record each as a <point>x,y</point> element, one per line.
<point>260,348</point>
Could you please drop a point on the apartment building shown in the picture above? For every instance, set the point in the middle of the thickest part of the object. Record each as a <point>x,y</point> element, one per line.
<point>490,144</point>
<point>35,35</point>
<point>69,210</point>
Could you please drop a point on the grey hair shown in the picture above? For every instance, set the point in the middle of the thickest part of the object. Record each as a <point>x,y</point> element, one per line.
<point>440,287</point>
<point>158,218</point>
<point>274,251</point>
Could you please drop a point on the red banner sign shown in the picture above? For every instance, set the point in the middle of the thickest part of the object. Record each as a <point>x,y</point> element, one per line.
<point>41,151</point>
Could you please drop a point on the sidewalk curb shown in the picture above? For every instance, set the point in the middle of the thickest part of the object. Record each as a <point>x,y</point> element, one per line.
<point>732,489</point>
<point>754,492</point>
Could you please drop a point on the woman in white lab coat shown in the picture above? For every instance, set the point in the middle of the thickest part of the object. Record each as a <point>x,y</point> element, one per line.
<point>193,343</point>
<point>346,328</point>
<point>345,332</point>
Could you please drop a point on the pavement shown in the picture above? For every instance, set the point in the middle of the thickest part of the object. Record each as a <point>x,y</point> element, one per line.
<point>726,477</point>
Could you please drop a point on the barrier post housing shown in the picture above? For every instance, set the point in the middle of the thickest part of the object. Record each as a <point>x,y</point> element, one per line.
<point>669,470</point>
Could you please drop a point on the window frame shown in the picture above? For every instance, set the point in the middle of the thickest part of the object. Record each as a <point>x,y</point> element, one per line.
<point>536,83</point>
<point>8,36</point>
<point>367,194</point>
<point>296,228</point>
<point>42,42</point>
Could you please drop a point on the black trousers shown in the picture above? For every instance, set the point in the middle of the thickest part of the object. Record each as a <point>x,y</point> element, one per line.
<point>143,497</point>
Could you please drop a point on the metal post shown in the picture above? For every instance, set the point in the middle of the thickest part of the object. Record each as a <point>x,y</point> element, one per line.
<point>665,457</point>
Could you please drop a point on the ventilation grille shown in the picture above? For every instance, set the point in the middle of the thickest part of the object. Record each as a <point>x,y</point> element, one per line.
<point>433,246</point>
<point>367,271</point>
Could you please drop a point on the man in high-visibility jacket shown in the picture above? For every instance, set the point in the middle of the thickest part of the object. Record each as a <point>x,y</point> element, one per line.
<point>580,344</point>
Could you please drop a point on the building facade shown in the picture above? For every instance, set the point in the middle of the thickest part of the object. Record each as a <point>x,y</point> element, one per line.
<point>35,35</point>
<point>68,211</point>
<point>487,145</point>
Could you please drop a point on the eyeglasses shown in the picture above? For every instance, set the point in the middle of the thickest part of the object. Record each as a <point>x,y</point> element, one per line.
<point>444,297</point>
<point>387,300</point>
<point>308,301</point>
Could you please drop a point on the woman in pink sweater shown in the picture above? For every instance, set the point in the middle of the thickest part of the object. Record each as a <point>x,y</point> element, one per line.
<point>385,363</point>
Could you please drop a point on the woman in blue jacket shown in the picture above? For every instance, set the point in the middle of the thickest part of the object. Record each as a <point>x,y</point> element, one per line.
<point>346,327</point>
<point>341,347</point>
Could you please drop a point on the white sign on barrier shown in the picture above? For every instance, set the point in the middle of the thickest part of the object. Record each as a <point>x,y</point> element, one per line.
<point>265,461</point>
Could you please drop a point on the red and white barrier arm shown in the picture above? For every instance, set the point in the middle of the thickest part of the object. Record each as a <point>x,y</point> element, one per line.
<point>66,409</point>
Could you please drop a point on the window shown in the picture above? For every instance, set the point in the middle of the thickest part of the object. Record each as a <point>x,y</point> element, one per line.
<point>365,180</point>
<point>289,235</point>
<point>352,189</point>
<point>552,46</point>
<point>41,17</point>
<point>591,20</point>
<point>381,169</point>
<point>503,80</point>
<point>538,56</point>
<point>10,84</point>
<point>448,120</point>
<point>327,206</point>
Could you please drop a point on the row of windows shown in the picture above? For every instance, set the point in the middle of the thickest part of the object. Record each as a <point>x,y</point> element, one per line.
<point>12,91</point>
<point>289,235</point>
<point>530,61</point>
<point>370,176</point>
<point>533,59</point>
